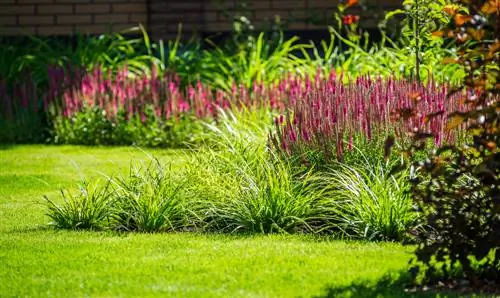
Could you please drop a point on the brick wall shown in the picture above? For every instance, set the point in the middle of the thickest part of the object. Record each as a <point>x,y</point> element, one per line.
<point>211,16</point>
<point>161,17</point>
<point>63,17</point>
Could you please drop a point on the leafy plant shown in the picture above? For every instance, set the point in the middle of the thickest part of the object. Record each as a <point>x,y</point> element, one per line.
<point>327,118</point>
<point>242,187</point>
<point>255,62</point>
<point>149,200</point>
<point>88,210</point>
<point>371,203</point>
<point>458,189</point>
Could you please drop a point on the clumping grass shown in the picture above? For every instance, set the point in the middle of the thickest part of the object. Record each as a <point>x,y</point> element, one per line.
<point>240,186</point>
<point>372,203</point>
<point>88,210</point>
<point>148,200</point>
<point>40,262</point>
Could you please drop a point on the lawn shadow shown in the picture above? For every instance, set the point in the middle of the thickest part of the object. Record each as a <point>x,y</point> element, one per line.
<point>6,146</point>
<point>389,286</point>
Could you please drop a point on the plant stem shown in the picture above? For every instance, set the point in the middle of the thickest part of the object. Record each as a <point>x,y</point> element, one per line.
<point>417,40</point>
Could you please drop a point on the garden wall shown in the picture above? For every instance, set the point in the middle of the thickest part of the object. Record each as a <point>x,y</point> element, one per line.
<point>215,15</point>
<point>63,17</point>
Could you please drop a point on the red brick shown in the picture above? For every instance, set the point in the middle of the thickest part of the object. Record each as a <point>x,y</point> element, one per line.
<point>54,30</point>
<point>218,27</point>
<point>73,1</point>
<point>54,9</point>
<point>17,9</point>
<point>8,20</point>
<point>36,20</point>
<point>92,8</point>
<point>210,16</point>
<point>111,18</point>
<point>17,30</point>
<point>262,4</point>
<point>121,27</point>
<point>294,4</point>
<point>138,18</point>
<point>92,29</point>
<point>35,1</point>
<point>130,7</point>
<point>74,19</point>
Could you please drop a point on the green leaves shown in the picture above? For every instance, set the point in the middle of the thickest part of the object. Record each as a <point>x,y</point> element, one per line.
<point>87,210</point>
<point>371,203</point>
<point>150,199</point>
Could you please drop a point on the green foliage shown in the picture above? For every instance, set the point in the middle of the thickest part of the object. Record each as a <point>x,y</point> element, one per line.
<point>241,187</point>
<point>458,189</point>
<point>371,203</point>
<point>109,51</point>
<point>390,57</point>
<point>423,17</point>
<point>149,200</point>
<point>93,127</point>
<point>89,209</point>
<point>265,198</point>
<point>351,50</point>
<point>257,60</point>
<point>26,127</point>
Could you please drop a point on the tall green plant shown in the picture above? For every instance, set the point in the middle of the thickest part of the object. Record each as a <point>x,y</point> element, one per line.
<point>242,187</point>
<point>257,61</point>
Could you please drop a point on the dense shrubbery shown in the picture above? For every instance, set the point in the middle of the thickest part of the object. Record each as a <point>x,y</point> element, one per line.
<point>457,189</point>
<point>240,184</point>
<point>242,60</point>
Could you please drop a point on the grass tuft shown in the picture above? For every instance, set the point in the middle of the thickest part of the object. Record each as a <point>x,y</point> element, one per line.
<point>149,200</point>
<point>371,203</point>
<point>87,210</point>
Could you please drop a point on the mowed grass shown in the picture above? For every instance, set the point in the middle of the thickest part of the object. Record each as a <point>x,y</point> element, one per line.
<point>39,261</point>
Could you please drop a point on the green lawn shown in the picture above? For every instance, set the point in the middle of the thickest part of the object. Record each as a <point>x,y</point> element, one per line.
<point>39,261</point>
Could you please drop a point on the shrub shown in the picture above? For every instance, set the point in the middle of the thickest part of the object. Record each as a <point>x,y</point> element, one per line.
<point>92,126</point>
<point>459,187</point>
<point>89,209</point>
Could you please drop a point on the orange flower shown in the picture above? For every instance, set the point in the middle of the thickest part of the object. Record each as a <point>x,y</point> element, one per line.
<point>461,19</point>
<point>351,3</point>
<point>491,6</point>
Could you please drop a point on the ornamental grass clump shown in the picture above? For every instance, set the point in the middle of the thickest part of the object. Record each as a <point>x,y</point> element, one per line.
<point>149,200</point>
<point>240,186</point>
<point>371,203</point>
<point>90,209</point>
